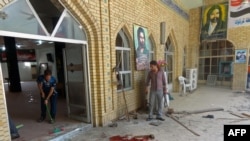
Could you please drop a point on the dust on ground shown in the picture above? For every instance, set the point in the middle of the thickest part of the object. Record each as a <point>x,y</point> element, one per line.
<point>203,126</point>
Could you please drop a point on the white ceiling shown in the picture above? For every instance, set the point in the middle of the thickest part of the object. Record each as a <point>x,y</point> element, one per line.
<point>189,4</point>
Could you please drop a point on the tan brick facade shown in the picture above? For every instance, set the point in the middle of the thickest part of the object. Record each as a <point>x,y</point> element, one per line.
<point>4,126</point>
<point>237,36</point>
<point>103,19</point>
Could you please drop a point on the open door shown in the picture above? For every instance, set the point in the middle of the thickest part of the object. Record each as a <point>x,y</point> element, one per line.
<point>76,82</point>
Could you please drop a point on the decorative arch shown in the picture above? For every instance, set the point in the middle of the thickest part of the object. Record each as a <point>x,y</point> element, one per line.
<point>5,2</point>
<point>124,27</point>
<point>170,53</point>
<point>153,47</point>
<point>83,15</point>
<point>173,39</point>
<point>184,60</point>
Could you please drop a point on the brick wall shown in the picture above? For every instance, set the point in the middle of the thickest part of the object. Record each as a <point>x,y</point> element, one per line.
<point>103,19</point>
<point>4,126</point>
<point>4,2</point>
<point>194,39</point>
<point>238,36</point>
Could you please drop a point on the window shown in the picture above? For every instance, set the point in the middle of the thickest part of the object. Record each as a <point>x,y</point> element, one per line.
<point>151,50</point>
<point>169,59</point>
<point>184,62</point>
<point>211,54</point>
<point>41,18</point>
<point>123,60</point>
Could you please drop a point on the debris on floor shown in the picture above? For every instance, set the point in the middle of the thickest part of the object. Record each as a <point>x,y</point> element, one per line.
<point>132,138</point>
<point>103,135</point>
<point>56,130</point>
<point>135,116</point>
<point>19,126</point>
<point>240,115</point>
<point>240,91</point>
<point>135,122</point>
<point>170,111</point>
<point>199,111</point>
<point>175,119</point>
<point>127,116</point>
<point>236,114</point>
<point>233,118</point>
<point>208,116</point>
<point>246,115</point>
<point>114,124</point>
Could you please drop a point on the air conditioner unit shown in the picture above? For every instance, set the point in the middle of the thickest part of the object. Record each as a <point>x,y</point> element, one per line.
<point>191,75</point>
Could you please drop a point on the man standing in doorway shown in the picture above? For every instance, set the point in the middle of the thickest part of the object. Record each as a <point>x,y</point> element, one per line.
<point>46,85</point>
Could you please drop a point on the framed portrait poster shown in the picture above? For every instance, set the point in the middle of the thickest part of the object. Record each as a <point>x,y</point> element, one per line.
<point>141,47</point>
<point>214,22</point>
<point>240,55</point>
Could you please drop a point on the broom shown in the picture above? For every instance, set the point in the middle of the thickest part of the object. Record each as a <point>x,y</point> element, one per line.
<point>55,129</point>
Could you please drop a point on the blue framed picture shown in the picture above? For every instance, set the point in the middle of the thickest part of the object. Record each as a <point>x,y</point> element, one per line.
<point>240,55</point>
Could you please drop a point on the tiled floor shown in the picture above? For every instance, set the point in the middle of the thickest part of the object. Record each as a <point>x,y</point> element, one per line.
<point>24,109</point>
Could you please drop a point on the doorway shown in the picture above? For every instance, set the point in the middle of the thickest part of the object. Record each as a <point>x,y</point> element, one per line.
<point>24,107</point>
<point>76,78</point>
<point>49,28</point>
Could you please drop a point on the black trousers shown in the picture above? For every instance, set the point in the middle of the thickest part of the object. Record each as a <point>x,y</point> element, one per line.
<point>53,105</point>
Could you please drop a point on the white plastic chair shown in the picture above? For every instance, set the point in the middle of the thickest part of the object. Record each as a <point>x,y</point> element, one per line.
<point>184,84</point>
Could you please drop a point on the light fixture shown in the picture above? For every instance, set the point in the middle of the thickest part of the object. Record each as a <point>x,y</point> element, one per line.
<point>3,48</point>
<point>18,45</point>
<point>39,42</point>
<point>27,64</point>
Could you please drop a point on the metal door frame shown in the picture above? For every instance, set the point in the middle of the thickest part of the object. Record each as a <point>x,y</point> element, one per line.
<point>85,58</point>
